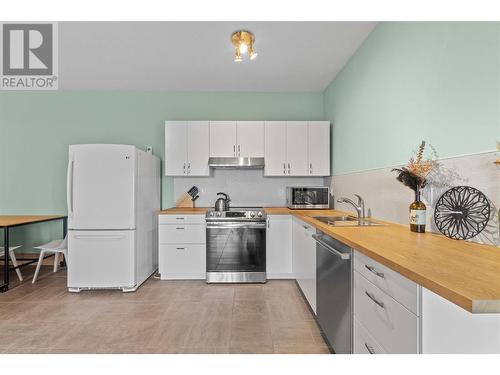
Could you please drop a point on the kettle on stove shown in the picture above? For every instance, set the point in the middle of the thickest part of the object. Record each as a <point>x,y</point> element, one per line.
<point>222,203</point>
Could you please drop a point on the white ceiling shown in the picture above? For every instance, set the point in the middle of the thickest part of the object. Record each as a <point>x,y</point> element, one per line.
<point>198,56</point>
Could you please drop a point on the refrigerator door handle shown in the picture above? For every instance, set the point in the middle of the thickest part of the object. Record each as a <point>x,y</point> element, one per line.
<point>99,237</point>
<point>69,188</point>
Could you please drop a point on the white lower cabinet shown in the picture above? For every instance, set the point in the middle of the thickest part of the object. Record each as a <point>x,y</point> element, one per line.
<point>388,281</point>
<point>182,261</point>
<point>364,343</point>
<point>182,247</point>
<point>304,259</point>
<point>380,310</point>
<point>279,247</point>
<point>449,329</point>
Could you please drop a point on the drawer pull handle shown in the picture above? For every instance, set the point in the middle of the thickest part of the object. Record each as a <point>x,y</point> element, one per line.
<point>369,348</point>
<point>180,248</point>
<point>179,218</point>
<point>374,271</point>
<point>180,228</point>
<point>372,297</point>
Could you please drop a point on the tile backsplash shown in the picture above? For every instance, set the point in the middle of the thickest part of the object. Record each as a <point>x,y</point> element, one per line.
<point>245,187</point>
<point>388,199</point>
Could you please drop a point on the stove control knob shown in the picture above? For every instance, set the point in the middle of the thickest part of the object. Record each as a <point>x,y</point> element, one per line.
<point>218,213</point>
<point>252,214</point>
<point>211,214</point>
<point>259,214</point>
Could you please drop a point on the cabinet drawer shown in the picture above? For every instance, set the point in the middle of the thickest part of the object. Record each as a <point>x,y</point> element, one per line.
<point>181,233</point>
<point>364,343</point>
<point>182,219</point>
<point>389,322</point>
<point>390,282</point>
<point>182,260</point>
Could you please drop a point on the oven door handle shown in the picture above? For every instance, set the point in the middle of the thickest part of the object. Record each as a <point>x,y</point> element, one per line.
<point>236,225</point>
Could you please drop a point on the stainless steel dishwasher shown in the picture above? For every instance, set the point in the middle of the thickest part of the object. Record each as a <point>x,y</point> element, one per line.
<point>334,292</point>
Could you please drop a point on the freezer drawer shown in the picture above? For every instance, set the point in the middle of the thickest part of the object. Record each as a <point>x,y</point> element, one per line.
<point>101,259</point>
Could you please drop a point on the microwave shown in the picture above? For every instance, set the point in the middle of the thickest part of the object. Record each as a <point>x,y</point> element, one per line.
<point>308,197</point>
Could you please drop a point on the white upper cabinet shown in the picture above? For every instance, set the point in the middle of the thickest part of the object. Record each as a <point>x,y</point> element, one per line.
<point>275,148</point>
<point>186,148</point>
<point>237,138</point>
<point>250,138</point>
<point>223,138</point>
<point>198,148</point>
<point>290,148</point>
<point>175,148</point>
<point>319,148</point>
<point>296,148</point>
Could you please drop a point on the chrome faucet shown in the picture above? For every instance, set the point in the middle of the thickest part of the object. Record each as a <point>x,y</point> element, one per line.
<point>360,207</point>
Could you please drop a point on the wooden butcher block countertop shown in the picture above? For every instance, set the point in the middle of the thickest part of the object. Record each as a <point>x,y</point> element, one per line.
<point>465,273</point>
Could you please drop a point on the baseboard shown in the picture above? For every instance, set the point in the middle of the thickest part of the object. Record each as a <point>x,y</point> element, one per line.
<point>282,276</point>
<point>182,276</point>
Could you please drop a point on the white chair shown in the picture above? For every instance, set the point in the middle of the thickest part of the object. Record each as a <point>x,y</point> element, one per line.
<point>57,247</point>
<point>12,256</point>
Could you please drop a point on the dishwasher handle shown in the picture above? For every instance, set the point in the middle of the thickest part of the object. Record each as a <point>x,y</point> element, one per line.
<point>331,249</point>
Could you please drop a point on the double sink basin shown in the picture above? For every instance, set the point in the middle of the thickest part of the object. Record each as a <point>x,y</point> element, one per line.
<point>347,221</point>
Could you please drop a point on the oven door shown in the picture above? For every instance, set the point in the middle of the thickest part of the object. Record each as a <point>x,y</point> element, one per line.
<point>236,248</point>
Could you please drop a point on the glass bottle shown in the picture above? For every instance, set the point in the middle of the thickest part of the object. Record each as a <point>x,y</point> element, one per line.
<point>417,214</point>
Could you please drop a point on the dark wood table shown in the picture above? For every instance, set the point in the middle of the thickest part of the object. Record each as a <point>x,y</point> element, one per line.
<point>12,221</point>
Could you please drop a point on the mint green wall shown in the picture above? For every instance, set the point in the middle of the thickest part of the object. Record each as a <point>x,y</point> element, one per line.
<point>411,81</point>
<point>37,127</point>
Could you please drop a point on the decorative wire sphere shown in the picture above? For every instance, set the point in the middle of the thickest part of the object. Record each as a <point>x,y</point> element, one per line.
<point>462,213</point>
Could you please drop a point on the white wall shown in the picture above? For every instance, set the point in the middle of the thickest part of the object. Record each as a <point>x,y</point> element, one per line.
<point>388,199</point>
<point>245,187</point>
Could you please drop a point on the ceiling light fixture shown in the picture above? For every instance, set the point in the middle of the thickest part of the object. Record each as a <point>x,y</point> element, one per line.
<point>243,43</point>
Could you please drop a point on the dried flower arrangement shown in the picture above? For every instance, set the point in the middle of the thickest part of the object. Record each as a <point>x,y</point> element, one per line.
<point>414,174</point>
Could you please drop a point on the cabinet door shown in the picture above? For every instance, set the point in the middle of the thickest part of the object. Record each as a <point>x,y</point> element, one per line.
<point>175,148</point>
<point>319,148</point>
<point>279,246</point>
<point>198,148</point>
<point>182,261</point>
<point>250,137</point>
<point>275,148</point>
<point>296,148</point>
<point>223,138</point>
<point>304,259</point>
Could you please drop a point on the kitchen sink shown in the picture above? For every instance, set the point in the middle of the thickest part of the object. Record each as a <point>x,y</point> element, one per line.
<point>347,221</point>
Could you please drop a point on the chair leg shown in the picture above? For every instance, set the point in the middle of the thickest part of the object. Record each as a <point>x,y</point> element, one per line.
<point>56,261</point>
<point>14,262</point>
<point>40,261</point>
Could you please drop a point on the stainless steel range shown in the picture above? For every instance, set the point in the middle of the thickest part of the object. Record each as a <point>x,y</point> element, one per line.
<point>236,245</point>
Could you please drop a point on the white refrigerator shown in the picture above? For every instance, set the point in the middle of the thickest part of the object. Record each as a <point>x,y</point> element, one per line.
<point>113,198</point>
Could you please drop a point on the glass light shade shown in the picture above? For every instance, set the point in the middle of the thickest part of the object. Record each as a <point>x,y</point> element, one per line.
<point>243,48</point>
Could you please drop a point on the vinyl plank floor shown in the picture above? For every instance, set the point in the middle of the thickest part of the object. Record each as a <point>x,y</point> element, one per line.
<point>171,317</point>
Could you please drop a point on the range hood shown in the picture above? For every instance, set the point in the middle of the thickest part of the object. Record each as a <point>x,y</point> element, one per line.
<point>236,163</point>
